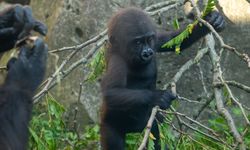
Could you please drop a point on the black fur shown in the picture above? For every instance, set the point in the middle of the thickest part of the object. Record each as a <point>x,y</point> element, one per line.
<point>16,22</point>
<point>25,73</point>
<point>24,76</point>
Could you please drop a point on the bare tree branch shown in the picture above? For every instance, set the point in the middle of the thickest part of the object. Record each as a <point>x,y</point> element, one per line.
<point>83,45</point>
<point>148,128</point>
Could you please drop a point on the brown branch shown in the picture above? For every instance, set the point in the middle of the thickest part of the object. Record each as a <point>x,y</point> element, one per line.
<point>148,128</point>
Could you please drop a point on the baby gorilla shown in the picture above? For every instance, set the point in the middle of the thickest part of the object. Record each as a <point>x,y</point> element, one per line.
<point>129,84</point>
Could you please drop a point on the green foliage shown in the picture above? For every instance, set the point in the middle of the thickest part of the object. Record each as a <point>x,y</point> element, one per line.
<point>179,39</point>
<point>91,137</point>
<point>133,140</point>
<point>49,132</point>
<point>209,7</point>
<point>176,42</point>
<point>150,144</point>
<point>176,24</point>
<point>166,135</point>
<point>51,129</point>
<point>97,65</point>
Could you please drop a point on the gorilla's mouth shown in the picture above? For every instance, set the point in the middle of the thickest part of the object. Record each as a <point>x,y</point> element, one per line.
<point>145,56</point>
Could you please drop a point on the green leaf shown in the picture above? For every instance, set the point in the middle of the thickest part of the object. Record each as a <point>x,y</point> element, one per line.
<point>150,144</point>
<point>38,141</point>
<point>176,24</point>
<point>176,41</point>
<point>209,7</point>
<point>54,108</point>
<point>178,49</point>
<point>97,65</point>
<point>237,111</point>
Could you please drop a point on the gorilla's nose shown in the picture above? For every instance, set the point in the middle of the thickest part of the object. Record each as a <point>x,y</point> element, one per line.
<point>147,54</point>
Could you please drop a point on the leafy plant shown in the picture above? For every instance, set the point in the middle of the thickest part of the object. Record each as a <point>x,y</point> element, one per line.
<point>49,132</point>
<point>176,42</point>
<point>97,65</point>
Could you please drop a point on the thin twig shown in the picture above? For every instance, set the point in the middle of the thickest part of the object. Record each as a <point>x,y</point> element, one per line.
<point>148,128</point>
<point>76,111</point>
<point>63,74</point>
<point>81,46</point>
<point>235,84</point>
<point>189,100</point>
<point>236,101</point>
<point>164,9</point>
<point>192,120</point>
<point>200,54</point>
<point>160,5</point>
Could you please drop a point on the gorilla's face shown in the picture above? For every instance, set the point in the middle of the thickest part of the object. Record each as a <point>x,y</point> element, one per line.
<point>141,48</point>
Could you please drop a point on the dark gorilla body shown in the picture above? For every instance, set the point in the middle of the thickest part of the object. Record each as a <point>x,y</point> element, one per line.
<point>129,85</point>
<point>25,73</point>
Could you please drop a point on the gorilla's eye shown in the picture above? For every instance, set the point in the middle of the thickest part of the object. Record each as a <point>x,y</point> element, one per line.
<point>138,42</point>
<point>150,39</point>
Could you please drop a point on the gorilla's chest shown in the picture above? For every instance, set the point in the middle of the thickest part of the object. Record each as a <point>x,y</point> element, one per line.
<point>142,78</point>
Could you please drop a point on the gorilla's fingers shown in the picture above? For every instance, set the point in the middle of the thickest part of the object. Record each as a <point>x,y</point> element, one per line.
<point>28,23</point>
<point>23,54</point>
<point>18,13</point>
<point>218,21</point>
<point>38,47</point>
<point>212,17</point>
<point>39,51</point>
<point>11,62</point>
<point>221,26</point>
<point>40,28</point>
<point>28,18</point>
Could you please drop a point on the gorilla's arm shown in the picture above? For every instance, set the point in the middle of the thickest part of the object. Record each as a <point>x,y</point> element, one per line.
<point>115,93</point>
<point>118,96</point>
<point>24,76</point>
<point>15,110</point>
<point>214,18</point>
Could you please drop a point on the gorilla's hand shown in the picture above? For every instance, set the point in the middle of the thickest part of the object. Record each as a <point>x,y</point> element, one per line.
<point>164,99</point>
<point>27,71</point>
<point>17,22</point>
<point>216,20</point>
